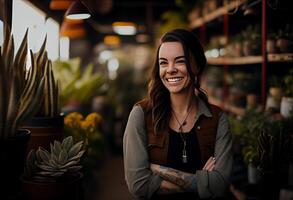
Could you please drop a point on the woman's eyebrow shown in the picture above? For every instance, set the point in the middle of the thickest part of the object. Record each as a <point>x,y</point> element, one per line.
<point>178,57</point>
<point>163,59</point>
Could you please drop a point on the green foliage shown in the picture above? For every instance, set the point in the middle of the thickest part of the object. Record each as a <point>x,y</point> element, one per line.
<point>75,83</point>
<point>21,91</point>
<point>247,131</point>
<point>61,162</point>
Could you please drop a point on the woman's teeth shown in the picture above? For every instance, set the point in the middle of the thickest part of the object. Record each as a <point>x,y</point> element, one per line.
<point>174,79</point>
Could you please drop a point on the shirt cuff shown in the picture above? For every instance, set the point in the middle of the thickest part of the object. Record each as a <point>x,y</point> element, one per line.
<point>155,183</point>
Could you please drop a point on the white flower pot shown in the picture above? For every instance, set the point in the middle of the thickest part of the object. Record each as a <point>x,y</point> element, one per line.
<point>286,106</point>
<point>253,174</point>
<point>272,103</point>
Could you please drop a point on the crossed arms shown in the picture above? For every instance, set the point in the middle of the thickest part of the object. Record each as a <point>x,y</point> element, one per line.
<point>175,181</point>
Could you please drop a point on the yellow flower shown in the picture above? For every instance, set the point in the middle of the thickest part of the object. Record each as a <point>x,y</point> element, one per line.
<point>68,121</point>
<point>73,118</point>
<point>94,118</point>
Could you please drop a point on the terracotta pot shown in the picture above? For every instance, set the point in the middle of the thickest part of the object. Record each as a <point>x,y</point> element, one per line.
<point>276,92</point>
<point>44,130</point>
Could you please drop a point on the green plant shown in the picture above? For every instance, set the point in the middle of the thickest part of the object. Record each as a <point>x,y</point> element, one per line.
<point>247,131</point>
<point>288,79</point>
<point>75,83</point>
<point>61,163</point>
<point>50,104</point>
<point>21,92</point>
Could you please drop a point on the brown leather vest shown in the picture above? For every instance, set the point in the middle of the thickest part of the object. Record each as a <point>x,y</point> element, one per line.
<point>206,129</point>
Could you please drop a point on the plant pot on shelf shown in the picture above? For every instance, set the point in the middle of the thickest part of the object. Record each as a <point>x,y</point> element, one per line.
<point>284,45</point>
<point>12,158</point>
<point>286,106</point>
<point>44,130</point>
<point>271,46</point>
<point>70,189</point>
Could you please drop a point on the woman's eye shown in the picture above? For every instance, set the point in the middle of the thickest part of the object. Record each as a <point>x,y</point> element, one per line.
<point>162,63</point>
<point>181,61</point>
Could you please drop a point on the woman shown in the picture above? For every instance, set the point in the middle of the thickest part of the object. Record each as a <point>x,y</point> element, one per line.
<point>176,145</point>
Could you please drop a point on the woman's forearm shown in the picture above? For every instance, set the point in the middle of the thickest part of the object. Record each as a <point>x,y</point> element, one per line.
<point>167,187</point>
<point>184,181</point>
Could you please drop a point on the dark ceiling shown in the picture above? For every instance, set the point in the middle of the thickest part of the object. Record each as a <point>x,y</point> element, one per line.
<point>145,13</point>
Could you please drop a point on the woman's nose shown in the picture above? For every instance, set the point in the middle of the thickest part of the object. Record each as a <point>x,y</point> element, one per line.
<point>171,68</point>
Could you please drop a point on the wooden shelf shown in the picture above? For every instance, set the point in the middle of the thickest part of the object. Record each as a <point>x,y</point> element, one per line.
<point>235,61</point>
<point>286,57</point>
<point>217,13</point>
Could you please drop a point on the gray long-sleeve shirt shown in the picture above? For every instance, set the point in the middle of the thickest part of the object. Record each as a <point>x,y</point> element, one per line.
<point>143,183</point>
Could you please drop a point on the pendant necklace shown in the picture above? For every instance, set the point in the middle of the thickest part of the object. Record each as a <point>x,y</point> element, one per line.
<point>183,138</point>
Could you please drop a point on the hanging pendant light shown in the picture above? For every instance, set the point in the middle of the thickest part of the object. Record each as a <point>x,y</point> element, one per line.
<point>77,10</point>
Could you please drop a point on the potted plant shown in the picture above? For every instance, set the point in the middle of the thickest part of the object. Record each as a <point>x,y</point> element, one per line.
<point>54,174</point>
<point>287,100</point>
<point>247,131</point>
<point>47,125</point>
<point>20,97</point>
<point>284,42</point>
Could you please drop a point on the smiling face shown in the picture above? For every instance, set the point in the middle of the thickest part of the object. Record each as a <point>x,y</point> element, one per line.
<point>173,71</point>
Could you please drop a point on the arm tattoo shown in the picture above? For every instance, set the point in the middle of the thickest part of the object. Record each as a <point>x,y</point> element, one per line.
<point>186,181</point>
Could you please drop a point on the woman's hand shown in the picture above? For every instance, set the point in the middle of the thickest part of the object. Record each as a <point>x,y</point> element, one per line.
<point>210,164</point>
<point>155,168</point>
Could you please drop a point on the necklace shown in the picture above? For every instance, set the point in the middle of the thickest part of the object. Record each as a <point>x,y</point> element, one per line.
<point>183,138</point>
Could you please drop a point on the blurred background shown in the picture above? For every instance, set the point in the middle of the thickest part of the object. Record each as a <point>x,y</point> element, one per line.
<point>102,57</point>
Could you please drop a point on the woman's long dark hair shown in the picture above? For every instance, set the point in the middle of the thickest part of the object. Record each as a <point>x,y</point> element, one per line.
<point>159,99</point>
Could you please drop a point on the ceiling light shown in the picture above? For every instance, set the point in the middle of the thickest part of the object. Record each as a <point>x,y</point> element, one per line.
<point>112,40</point>
<point>72,29</point>
<point>60,4</point>
<point>124,28</point>
<point>77,10</point>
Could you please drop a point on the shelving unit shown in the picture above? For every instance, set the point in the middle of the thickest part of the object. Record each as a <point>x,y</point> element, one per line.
<point>261,60</point>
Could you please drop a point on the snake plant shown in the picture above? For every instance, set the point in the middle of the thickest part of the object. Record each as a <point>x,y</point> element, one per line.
<point>61,162</point>
<point>50,104</point>
<point>21,92</point>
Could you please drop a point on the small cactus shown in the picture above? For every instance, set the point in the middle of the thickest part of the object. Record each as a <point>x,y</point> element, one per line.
<point>61,162</point>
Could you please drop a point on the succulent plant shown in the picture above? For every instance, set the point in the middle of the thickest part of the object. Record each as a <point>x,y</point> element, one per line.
<point>61,162</point>
<point>50,104</point>
<point>21,92</point>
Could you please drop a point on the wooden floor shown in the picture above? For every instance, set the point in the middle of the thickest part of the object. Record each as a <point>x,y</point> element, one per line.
<point>109,181</point>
